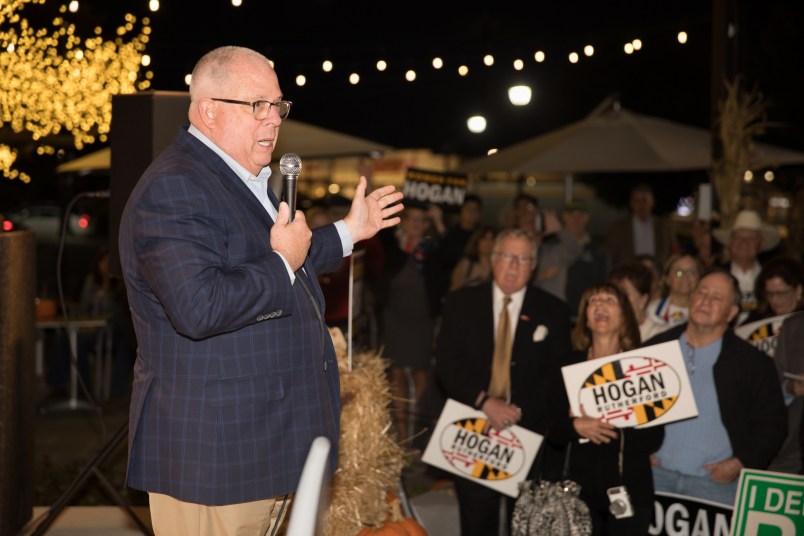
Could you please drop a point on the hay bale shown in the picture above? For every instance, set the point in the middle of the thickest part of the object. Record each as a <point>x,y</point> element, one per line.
<point>370,460</point>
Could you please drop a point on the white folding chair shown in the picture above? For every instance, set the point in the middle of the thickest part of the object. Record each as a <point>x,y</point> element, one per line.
<point>306,510</point>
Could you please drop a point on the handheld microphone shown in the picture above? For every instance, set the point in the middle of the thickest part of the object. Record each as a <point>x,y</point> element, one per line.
<point>290,166</point>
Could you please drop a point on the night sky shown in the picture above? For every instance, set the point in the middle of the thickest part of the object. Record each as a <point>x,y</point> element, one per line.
<point>664,79</point>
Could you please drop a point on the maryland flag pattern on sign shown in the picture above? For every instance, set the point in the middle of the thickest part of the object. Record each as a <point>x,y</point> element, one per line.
<point>463,444</point>
<point>487,472</point>
<point>481,469</point>
<point>762,332</point>
<point>652,411</point>
<point>630,391</point>
<point>475,425</point>
<point>610,372</point>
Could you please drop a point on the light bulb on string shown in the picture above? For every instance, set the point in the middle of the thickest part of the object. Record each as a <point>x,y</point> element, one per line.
<point>476,124</point>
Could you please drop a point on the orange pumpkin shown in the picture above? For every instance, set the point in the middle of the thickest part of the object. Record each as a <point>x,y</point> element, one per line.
<point>413,527</point>
<point>396,524</point>
<point>390,528</point>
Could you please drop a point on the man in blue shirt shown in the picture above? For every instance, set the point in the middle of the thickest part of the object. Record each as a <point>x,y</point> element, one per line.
<point>741,418</point>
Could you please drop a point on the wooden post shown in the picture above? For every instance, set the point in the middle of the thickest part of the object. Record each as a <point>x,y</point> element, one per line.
<point>17,378</point>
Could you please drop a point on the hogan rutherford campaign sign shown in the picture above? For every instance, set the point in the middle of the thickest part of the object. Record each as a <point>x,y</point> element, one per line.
<point>638,388</point>
<point>498,460</point>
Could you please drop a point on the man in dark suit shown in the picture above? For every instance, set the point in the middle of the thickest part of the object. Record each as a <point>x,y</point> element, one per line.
<point>539,323</point>
<point>641,232</point>
<point>235,372</point>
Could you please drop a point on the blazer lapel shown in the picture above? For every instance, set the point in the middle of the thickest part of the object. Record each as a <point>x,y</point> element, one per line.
<point>229,179</point>
<point>526,324</point>
<point>486,320</point>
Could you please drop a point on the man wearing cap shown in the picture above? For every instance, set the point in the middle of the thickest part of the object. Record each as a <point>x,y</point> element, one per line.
<point>571,260</point>
<point>745,240</point>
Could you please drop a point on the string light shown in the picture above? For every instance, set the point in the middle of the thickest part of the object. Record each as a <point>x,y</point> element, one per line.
<point>519,95</point>
<point>7,158</point>
<point>54,81</point>
<point>476,124</point>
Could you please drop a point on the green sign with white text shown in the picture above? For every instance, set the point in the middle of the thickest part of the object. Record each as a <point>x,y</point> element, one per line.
<point>768,504</point>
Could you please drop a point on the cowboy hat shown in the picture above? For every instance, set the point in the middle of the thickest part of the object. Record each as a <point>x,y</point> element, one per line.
<point>749,219</point>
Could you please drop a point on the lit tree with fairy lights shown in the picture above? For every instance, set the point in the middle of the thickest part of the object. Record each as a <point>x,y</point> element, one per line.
<point>55,82</point>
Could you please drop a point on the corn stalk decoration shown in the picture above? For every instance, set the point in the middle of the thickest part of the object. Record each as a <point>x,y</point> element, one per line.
<point>742,116</point>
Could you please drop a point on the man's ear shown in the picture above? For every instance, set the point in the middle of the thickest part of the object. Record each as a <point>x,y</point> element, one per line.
<point>207,111</point>
<point>733,312</point>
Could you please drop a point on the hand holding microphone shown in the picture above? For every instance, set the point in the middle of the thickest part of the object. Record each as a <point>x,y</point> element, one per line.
<point>290,239</point>
<point>290,167</point>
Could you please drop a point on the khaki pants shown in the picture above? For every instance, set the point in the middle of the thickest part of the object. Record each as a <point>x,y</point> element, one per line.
<point>172,517</point>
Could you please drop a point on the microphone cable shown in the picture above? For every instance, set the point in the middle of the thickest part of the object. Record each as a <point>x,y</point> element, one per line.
<point>102,194</point>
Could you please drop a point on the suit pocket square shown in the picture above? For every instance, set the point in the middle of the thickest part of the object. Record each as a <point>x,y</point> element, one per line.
<point>540,333</point>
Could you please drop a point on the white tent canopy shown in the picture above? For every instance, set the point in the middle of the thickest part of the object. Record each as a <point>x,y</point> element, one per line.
<point>613,139</point>
<point>304,139</point>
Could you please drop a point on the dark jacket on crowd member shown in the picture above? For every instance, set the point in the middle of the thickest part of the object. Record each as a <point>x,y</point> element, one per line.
<point>749,397</point>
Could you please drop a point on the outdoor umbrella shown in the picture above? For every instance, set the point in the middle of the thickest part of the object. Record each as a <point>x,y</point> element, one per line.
<point>304,139</point>
<point>618,140</point>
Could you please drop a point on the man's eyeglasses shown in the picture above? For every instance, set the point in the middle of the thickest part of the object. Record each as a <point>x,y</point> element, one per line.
<point>261,108</point>
<point>510,257</point>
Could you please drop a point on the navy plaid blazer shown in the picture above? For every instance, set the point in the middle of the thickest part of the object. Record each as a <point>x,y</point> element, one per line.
<point>235,372</point>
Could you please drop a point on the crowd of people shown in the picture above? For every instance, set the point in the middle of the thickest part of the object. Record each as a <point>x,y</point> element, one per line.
<point>236,374</point>
<point>438,287</point>
<point>637,285</point>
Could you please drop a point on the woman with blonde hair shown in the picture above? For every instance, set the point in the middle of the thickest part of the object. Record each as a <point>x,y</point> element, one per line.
<point>680,275</point>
